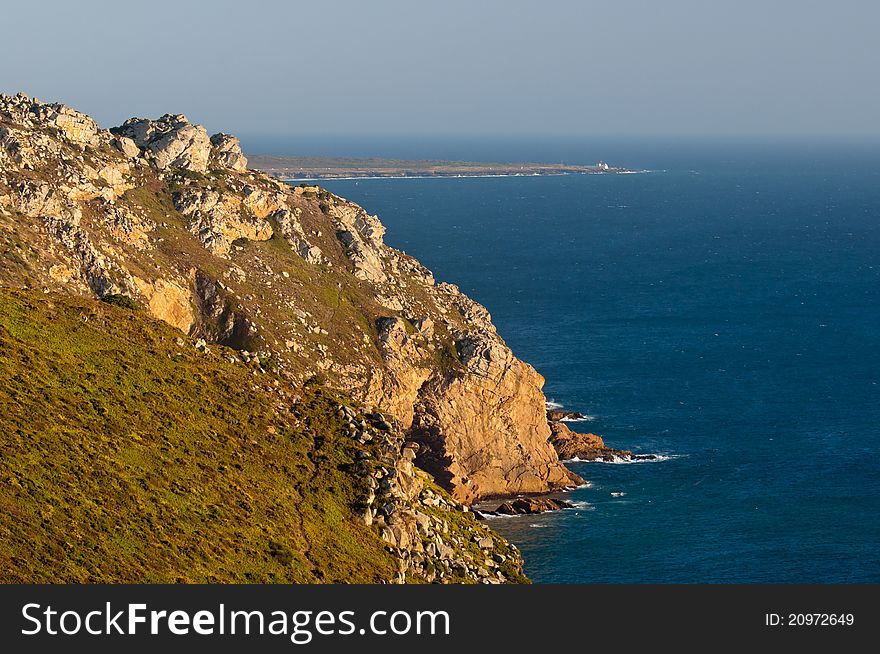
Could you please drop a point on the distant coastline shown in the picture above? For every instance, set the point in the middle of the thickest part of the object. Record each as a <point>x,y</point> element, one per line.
<point>314,168</point>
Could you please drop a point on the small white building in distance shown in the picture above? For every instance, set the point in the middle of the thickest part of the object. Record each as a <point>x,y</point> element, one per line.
<point>602,165</point>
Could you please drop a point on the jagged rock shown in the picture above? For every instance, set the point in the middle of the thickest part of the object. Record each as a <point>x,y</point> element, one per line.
<point>474,313</point>
<point>12,146</point>
<point>126,146</point>
<point>260,203</point>
<point>217,316</point>
<point>100,273</point>
<point>73,125</point>
<point>218,219</point>
<point>172,141</point>
<point>529,505</point>
<point>555,415</point>
<point>128,226</point>
<point>587,447</point>
<point>392,333</point>
<point>227,152</point>
<point>483,355</point>
<point>361,234</point>
<point>425,327</point>
<point>36,199</point>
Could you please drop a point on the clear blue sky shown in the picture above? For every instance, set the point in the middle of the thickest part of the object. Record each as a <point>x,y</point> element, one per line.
<point>668,67</point>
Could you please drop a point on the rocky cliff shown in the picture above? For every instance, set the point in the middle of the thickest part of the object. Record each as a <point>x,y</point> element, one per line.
<point>294,279</point>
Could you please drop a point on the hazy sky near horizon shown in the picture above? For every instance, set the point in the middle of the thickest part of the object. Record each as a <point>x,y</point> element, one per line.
<point>642,67</point>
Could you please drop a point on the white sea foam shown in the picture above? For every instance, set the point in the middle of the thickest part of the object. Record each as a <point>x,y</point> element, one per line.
<point>493,516</point>
<point>584,419</point>
<point>537,526</point>
<point>621,461</point>
<point>552,404</point>
<point>581,505</point>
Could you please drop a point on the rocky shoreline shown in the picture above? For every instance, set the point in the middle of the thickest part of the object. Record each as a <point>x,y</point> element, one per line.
<point>528,506</point>
<point>570,446</point>
<point>575,446</point>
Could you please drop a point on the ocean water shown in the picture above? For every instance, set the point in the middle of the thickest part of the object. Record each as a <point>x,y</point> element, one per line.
<point>723,310</point>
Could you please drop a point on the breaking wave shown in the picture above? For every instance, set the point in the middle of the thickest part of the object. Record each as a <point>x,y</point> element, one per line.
<point>617,460</point>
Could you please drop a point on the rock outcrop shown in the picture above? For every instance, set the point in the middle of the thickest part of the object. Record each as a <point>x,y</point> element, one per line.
<point>297,277</point>
<point>572,445</point>
<point>169,142</point>
<point>556,415</point>
<point>219,219</point>
<point>361,234</point>
<point>484,453</point>
<point>531,505</point>
<point>227,152</point>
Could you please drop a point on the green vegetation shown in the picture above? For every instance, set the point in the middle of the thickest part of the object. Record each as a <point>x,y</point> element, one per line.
<point>129,458</point>
<point>154,200</point>
<point>121,301</point>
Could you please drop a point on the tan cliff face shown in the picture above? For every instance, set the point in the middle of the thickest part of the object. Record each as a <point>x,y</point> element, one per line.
<point>300,278</point>
<point>488,435</point>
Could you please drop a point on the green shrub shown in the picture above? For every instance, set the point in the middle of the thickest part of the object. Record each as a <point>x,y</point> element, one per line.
<point>121,301</point>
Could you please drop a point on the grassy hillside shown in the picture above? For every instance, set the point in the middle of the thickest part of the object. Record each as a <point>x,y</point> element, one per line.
<point>128,455</point>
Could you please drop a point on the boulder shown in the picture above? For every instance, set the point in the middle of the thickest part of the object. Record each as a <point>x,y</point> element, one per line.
<point>227,152</point>
<point>172,141</point>
<point>126,146</point>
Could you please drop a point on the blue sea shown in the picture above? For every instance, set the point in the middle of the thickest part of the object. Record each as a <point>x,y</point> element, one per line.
<point>722,310</point>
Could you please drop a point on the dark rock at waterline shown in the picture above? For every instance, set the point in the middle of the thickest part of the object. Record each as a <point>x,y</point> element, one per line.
<point>555,415</point>
<point>530,505</point>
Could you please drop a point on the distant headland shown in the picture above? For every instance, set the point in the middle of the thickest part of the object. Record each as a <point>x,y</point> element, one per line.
<point>291,168</point>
